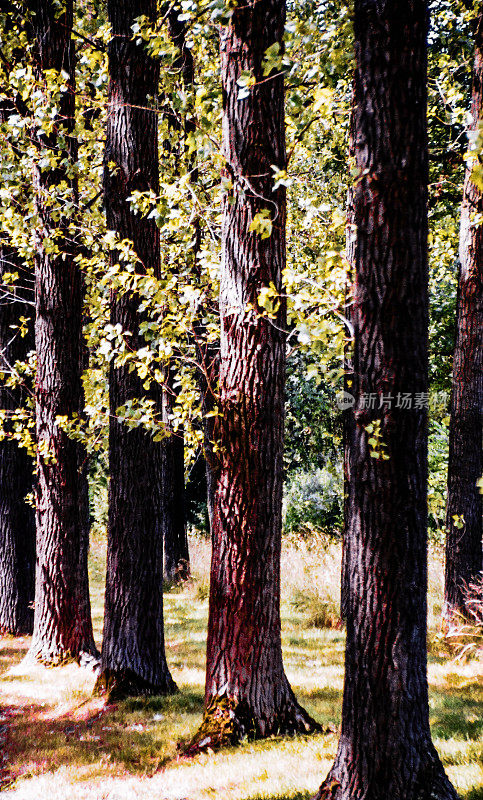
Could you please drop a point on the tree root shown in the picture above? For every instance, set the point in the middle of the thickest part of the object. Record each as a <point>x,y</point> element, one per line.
<point>116,685</point>
<point>430,783</point>
<point>227,722</point>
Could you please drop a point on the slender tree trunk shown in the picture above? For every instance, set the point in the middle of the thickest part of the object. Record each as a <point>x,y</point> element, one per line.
<point>464,509</point>
<point>207,353</point>
<point>385,749</point>
<point>133,654</point>
<point>17,518</point>
<point>348,410</point>
<point>247,691</point>
<point>62,624</point>
<point>209,357</point>
<point>176,551</point>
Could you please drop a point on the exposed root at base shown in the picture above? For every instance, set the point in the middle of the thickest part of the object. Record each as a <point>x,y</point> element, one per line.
<point>115,685</point>
<point>431,783</point>
<point>227,722</point>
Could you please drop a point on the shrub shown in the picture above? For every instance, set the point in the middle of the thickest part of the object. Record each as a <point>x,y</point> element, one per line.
<point>465,632</point>
<point>314,501</point>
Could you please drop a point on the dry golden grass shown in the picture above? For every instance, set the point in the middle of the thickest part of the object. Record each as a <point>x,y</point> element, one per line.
<point>62,744</point>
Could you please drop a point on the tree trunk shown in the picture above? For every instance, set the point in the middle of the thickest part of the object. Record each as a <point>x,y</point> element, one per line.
<point>17,518</point>
<point>133,655</point>
<point>347,405</point>
<point>176,552</point>
<point>62,624</point>
<point>385,749</point>
<point>465,466</point>
<point>247,691</point>
<point>209,357</point>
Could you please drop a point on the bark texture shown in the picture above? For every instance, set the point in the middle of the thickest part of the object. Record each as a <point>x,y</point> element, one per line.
<point>62,624</point>
<point>17,518</point>
<point>465,465</point>
<point>247,691</point>
<point>348,410</point>
<point>385,749</point>
<point>133,654</point>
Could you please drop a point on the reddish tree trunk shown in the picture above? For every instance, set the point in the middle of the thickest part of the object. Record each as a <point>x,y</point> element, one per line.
<point>133,654</point>
<point>465,466</point>
<point>385,749</point>
<point>17,518</point>
<point>62,625</point>
<point>247,691</point>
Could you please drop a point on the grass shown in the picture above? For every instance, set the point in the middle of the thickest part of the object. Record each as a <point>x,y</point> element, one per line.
<point>61,743</point>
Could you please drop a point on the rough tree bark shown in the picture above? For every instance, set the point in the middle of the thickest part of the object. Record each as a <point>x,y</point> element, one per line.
<point>385,749</point>
<point>17,518</point>
<point>247,691</point>
<point>176,551</point>
<point>465,465</point>
<point>133,654</point>
<point>62,623</point>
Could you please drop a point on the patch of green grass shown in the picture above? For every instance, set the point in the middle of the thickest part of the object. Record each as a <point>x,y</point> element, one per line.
<point>59,734</point>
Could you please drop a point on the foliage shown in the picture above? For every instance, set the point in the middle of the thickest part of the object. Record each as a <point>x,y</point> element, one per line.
<point>180,310</point>
<point>313,501</point>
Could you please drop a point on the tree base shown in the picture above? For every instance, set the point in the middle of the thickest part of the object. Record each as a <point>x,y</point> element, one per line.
<point>57,657</point>
<point>430,783</point>
<point>227,722</point>
<point>116,685</point>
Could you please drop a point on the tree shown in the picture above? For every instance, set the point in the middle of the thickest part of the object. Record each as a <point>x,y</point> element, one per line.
<point>17,518</point>
<point>176,551</point>
<point>385,749</point>
<point>133,655</point>
<point>62,622</point>
<point>464,512</point>
<point>247,691</point>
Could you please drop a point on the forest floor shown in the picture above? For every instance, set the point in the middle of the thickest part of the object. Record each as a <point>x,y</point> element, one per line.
<point>59,743</point>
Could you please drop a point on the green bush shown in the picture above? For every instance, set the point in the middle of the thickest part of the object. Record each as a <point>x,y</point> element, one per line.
<point>314,500</point>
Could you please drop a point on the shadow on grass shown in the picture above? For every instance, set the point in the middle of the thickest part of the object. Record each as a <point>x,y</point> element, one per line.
<point>449,714</point>
<point>187,701</point>
<point>138,735</point>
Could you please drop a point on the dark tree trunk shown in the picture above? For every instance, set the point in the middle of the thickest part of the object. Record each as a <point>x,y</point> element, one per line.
<point>133,654</point>
<point>385,749</point>
<point>17,518</point>
<point>176,552</point>
<point>247,691</point>
<point>62,624</point>
<point>465,466</point>
<point>207,353</point>
<point>209,357</point>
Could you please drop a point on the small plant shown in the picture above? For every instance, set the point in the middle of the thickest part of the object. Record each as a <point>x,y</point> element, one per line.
<point>465,632</point>
<point>322,612</point>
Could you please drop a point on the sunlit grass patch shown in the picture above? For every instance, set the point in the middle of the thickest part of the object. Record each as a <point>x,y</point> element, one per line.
<point>65,745</point>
